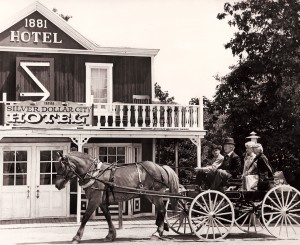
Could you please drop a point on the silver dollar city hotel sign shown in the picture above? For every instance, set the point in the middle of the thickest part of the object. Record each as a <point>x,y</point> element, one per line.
<point>47,114</point>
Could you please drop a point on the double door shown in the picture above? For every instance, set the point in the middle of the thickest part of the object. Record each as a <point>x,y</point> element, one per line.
<point>27,182</point>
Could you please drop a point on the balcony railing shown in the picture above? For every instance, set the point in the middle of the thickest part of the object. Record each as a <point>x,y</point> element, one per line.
<point>136,116</point>
<point>156,116</point>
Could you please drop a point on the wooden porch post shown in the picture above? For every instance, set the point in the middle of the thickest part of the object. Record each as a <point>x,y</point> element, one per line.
<point>176,156</point>
<point>79,141</point>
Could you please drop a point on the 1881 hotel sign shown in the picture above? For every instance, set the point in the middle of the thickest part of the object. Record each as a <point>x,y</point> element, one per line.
<point>39,32</point>
<point>47,114</point>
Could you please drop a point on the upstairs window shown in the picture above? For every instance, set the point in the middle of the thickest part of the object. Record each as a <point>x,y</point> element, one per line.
<point>99,83</point>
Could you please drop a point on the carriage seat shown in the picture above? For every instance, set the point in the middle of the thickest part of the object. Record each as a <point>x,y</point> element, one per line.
<point>234,183</point>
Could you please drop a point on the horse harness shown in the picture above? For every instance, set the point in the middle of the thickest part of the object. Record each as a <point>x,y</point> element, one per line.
<point>95,172</point>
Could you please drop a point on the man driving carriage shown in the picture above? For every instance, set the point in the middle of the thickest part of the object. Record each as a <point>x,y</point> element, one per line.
<point>216,176</point>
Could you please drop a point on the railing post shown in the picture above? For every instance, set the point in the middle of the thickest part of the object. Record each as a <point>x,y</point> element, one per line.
<point>200,113</point>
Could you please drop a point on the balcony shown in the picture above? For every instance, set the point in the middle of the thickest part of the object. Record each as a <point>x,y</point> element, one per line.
<point>114,116</point>
<point>148,116</point>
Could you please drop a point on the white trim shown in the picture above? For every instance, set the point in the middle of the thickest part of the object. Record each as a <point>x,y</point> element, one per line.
<point>70,31</point>
<point>116,51</point>
<point>45,93</point>
<point>108,67</point>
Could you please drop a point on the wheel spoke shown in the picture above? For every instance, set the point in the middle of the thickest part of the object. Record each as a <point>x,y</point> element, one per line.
<point>219,204</point>
<point>223,214</point>
<point>288,218</point>
<point>295,204</point>
<point>199,212</point>
<point>291,218</point>
<point>272,213</point>
<point>205,203</point>
<point>221,224</point>
<point>172,217</point>
<point>273,218</point>
<point>200,205</point>
<point>278,199</point>
<point>202,226</point>
<point>217,226</point>
<point>274,202</point>
<point>294,210</point>
<point>241,216</point>
<point>291,200</point>
<point>227,220</point>
<point>272,207</point>
<point>208,228</point>
<point>287,198</point>
<point>294,215</point>
<point>222,208</point>
<point>215,202</point>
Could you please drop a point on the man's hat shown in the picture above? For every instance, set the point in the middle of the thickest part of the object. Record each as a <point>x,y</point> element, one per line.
<point>229,141</point>
<point>216,147</point>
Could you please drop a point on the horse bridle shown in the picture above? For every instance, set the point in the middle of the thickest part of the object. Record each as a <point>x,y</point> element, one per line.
<point>67,164</point>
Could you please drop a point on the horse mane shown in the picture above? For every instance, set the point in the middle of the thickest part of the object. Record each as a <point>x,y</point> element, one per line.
<point>81,155</point>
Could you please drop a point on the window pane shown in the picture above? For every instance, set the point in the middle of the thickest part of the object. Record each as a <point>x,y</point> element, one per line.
<point>21,156</point>
<point>121,151</point>
<point>111,150</point>
<point>8,180</point>
<point>45,167</point>
<point>45,155</point>
<point>8,156</point>
<point>102,151</point>
<point>45,179</point>
<point>103,158</point>
<point>111,159</point>
<point>21,179</point>
<point>21,167</point>
<point>121,159</point>
<point>53,168</point>
<point>8,167</point>
<point>99,84</point>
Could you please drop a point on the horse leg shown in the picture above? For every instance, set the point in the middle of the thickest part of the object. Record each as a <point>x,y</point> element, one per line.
<point>111,236</point>
<point>160,216</point>
<point>92,205</point>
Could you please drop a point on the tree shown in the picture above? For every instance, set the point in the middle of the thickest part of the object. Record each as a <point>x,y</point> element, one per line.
<point>65,17</point>
<point>259,92</point>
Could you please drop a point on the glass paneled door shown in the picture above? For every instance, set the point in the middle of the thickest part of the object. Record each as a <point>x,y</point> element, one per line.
<point>15,182</point>
<point>49,200</point>
<point>27,178</point>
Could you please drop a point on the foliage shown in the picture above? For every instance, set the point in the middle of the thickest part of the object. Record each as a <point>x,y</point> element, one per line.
<point>260,92</point>
<point>65,17</point>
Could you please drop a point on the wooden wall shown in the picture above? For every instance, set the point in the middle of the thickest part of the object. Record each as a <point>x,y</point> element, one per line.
<point>131,75</point>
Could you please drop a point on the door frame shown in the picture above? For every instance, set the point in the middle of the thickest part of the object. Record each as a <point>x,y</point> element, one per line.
<point>32,171</point>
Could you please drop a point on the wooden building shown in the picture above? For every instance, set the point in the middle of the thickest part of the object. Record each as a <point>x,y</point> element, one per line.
<point>60,92</point>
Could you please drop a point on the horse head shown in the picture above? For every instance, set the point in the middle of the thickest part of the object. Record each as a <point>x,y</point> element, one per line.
<point>65,171</point>
<point>75,164</point>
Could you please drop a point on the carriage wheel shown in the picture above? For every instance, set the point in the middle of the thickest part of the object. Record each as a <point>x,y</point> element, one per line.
<point>178,219</point>
<point>281,211</point>
<point>211,215</point>
<point>247,217</point>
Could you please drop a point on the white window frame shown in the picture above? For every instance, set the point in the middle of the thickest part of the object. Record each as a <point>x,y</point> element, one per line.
<point>108,66</point>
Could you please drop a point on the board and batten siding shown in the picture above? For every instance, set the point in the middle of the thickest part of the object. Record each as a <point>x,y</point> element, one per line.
<point>131,75</point>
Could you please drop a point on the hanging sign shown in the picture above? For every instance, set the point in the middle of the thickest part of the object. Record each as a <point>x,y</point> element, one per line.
<point>46,114</point>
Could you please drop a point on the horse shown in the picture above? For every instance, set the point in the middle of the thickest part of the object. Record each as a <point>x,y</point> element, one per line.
<point>104,183</point>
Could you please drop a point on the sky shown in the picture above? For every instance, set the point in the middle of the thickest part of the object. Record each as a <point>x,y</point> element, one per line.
<point>189,36</point>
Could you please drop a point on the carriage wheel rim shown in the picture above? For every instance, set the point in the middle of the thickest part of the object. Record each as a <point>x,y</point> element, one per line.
<point>208,219</point>
<point>281,214</point>
<point>178,221</point>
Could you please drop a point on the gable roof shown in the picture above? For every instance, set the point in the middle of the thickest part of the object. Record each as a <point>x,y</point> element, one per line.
<point>90,47</point>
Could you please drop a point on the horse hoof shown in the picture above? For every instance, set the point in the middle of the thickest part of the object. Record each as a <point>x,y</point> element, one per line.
<point>110,237</point>
<point>74,241</point>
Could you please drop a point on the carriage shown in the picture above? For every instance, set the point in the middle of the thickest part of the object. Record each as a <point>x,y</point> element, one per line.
<point>208,214</point>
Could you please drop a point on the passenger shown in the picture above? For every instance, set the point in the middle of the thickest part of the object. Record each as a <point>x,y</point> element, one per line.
<point>264,169</point>
<point>249,176</point>
<point>219,173</point>
<point>205,174</point>
<point>230,167</point>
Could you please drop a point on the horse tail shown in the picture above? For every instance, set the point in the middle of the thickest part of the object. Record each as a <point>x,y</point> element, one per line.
<point>173,184</point>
